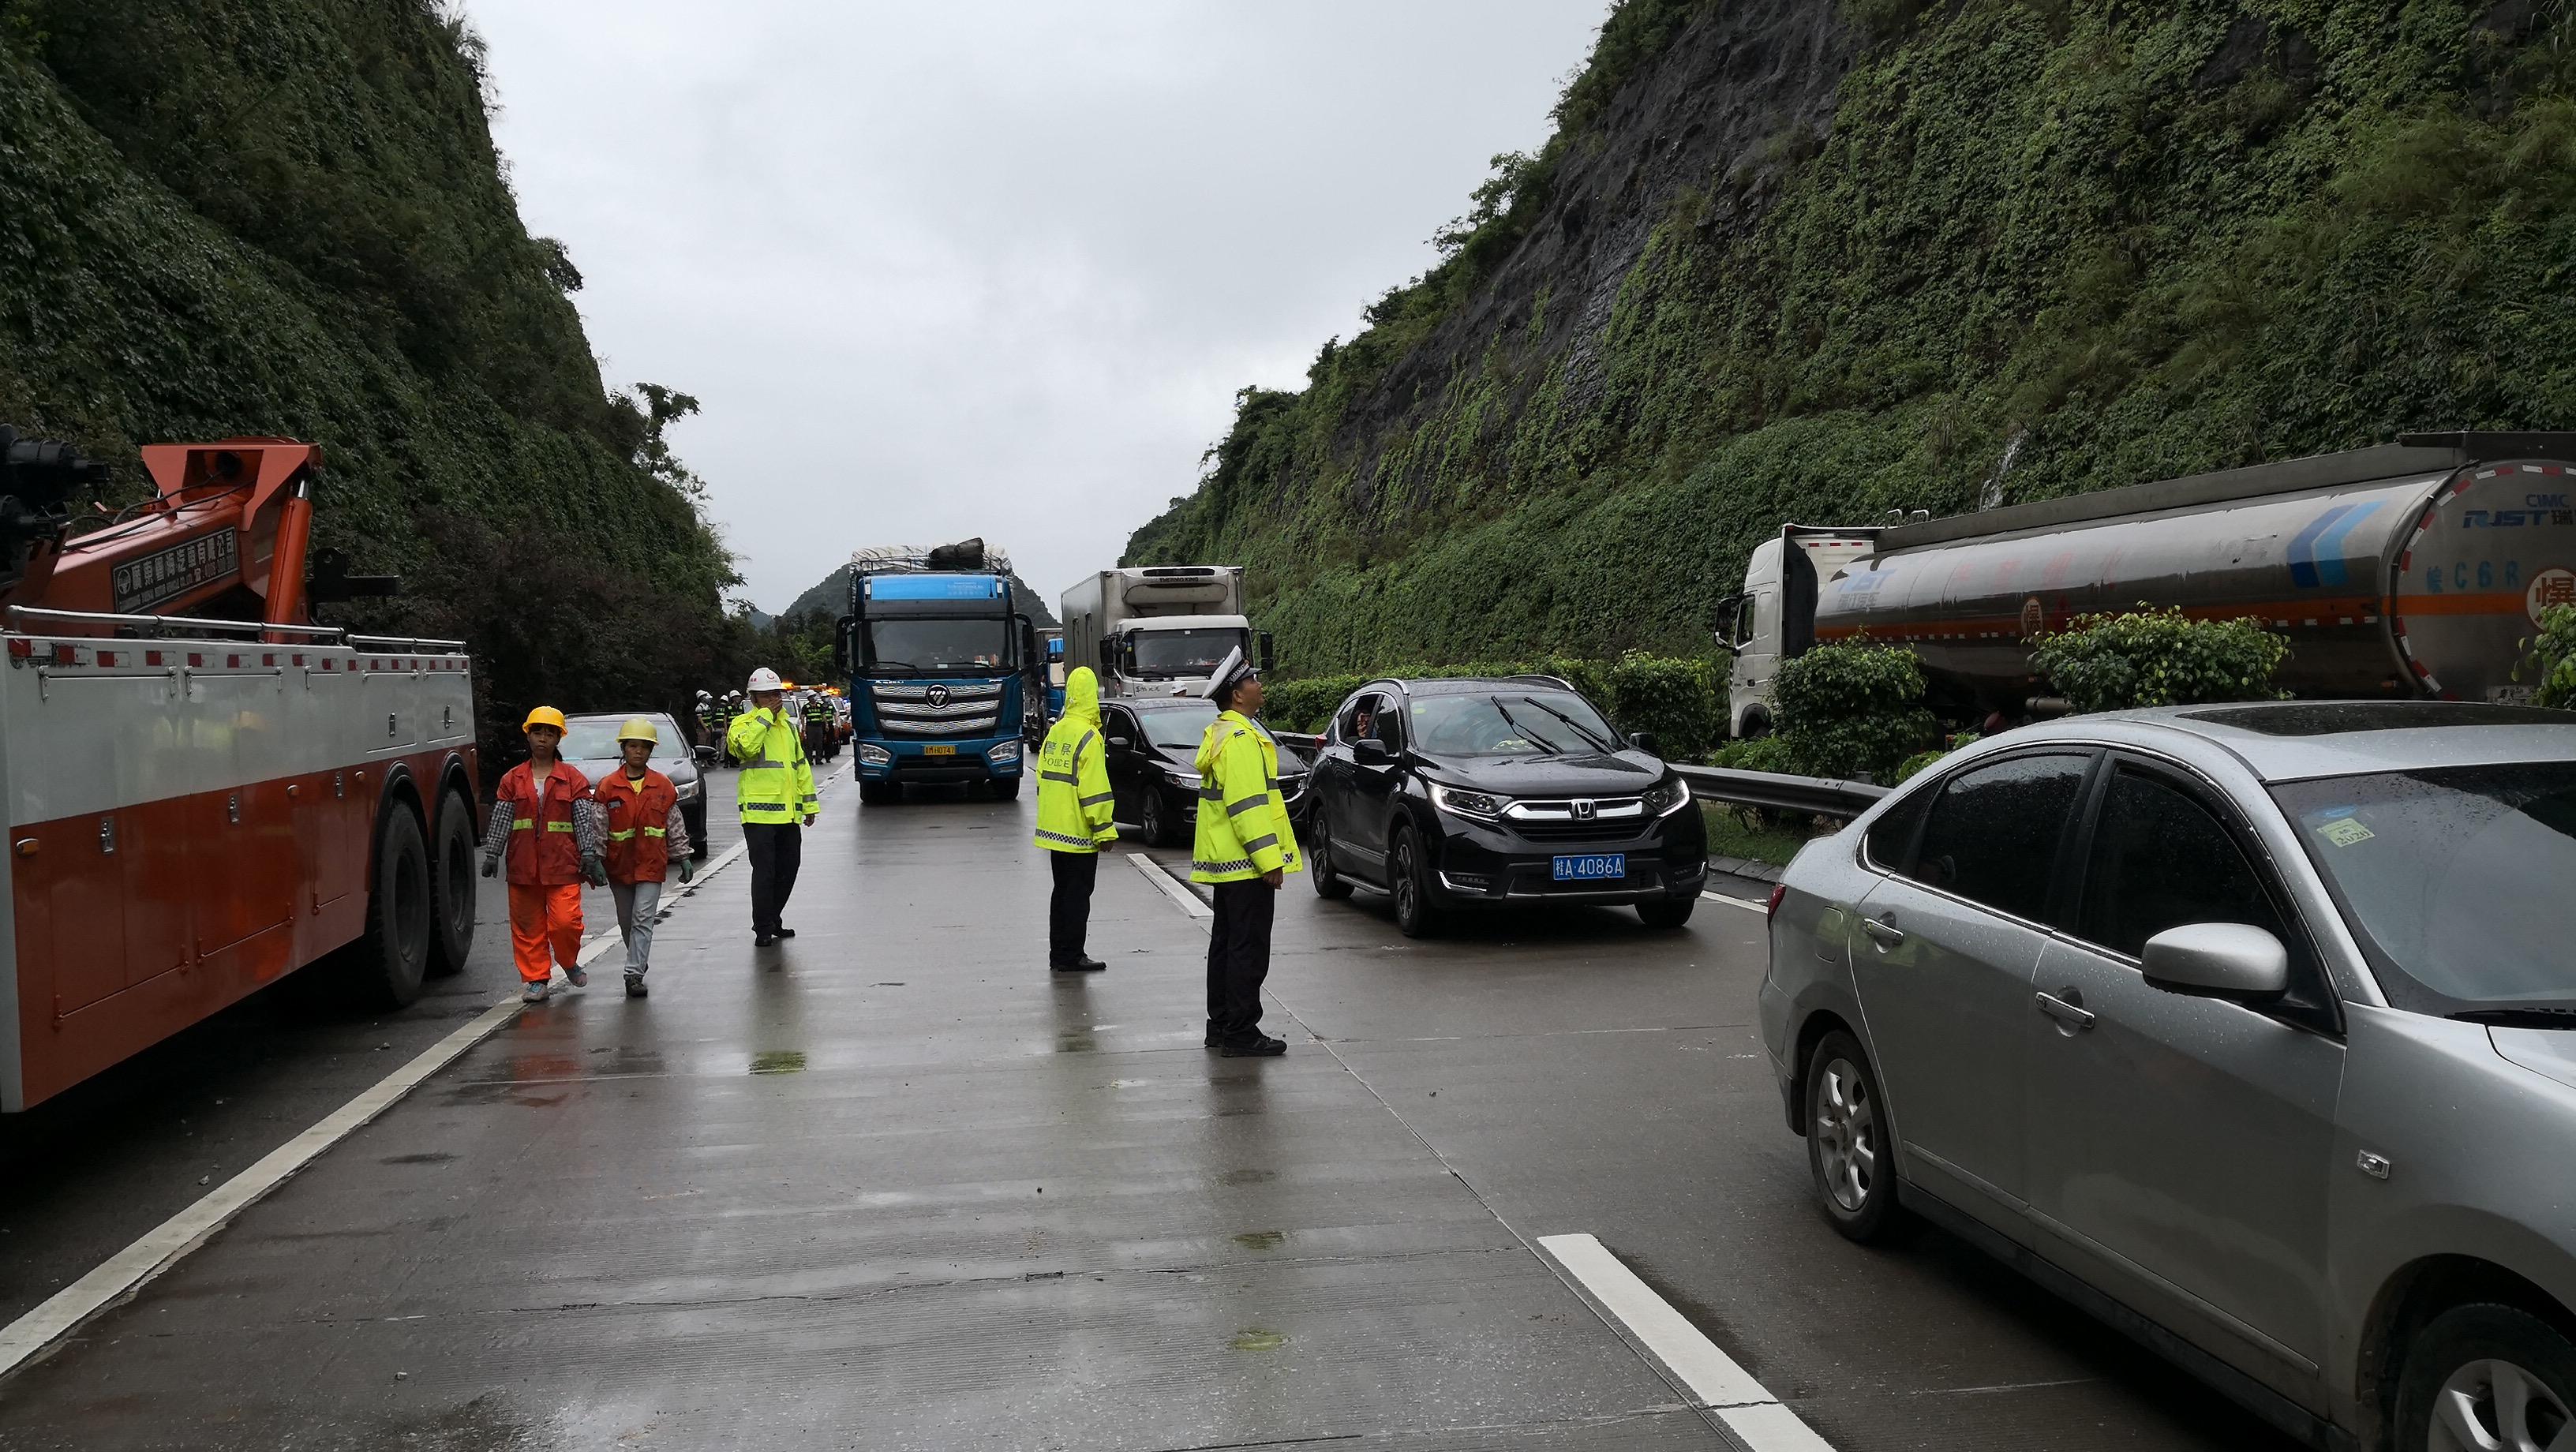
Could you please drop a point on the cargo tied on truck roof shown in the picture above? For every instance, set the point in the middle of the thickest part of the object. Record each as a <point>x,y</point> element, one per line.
<point>208,789</point>
<point>2414,569</point>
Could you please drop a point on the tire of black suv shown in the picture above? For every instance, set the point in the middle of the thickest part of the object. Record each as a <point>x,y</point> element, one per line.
<point>1667,913</point>
<point>1847,1142</point>
<point>1329,883</point>
<point>1157,823</point>
<point>1417,895</point>
<point>2508,1371</point>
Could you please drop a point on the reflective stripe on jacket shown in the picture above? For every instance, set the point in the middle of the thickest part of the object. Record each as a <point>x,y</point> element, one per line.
<point>1243,820</point>
<point>639,818</point>
<point>1074,805</point>
<point>544,838</point>
<point>777,782</point>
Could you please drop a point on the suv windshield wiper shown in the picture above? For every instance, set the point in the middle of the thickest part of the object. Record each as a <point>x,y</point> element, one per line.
<point>1579,728</point>
<point>2528,1016</point>
<point>1550,747</point>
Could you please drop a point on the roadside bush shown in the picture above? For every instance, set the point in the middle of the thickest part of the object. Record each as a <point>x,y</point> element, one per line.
<point>2554,657</point>
<point>1850,710</point>
<point>2154,657</point>
<point>1906,769</point>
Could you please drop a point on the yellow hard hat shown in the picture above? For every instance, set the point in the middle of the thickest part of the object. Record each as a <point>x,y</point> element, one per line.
<point>543,716</point>
<point>639,729</point>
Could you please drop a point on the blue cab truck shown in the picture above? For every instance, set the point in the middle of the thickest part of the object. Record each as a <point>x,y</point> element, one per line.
<point>942,662</point>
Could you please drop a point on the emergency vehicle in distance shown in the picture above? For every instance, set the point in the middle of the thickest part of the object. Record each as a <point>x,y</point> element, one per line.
<point>207,790</point>
<point>2417,568</point>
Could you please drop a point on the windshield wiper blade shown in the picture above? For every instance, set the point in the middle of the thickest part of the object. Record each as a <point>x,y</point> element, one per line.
<point>892,665</point>
<point>2523,1017</point>
<point>1550,747</point>
<point>1579,728</point>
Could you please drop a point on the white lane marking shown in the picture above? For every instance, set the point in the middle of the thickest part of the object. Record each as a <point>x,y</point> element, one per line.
<point>1750,907</point>
<point>1171,886</point>
<point>1710,1375</point>
<point>162,1247</point>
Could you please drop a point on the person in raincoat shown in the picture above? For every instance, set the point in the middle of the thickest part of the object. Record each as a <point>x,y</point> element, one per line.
<point>1244,850</point>
<point>1073,819</point>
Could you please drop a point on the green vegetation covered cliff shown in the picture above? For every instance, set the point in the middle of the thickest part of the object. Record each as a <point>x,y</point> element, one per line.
<point>1794,259</point>
<point>224,217</point>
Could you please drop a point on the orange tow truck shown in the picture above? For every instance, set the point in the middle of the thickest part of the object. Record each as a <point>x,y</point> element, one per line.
<point>206,789</point>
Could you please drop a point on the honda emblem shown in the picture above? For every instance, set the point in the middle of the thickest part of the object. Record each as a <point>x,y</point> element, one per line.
<point>1585,809</point>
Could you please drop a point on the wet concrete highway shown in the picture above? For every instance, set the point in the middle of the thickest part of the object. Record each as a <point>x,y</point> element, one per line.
<point>892,1185</point>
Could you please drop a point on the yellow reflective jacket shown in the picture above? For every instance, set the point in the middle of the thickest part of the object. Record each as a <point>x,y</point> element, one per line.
<point>1243,821</point>
<point>777,782</point>
<point>1073,773</point>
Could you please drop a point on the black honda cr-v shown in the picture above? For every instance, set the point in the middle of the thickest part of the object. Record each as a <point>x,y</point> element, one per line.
<point>1453,793</point>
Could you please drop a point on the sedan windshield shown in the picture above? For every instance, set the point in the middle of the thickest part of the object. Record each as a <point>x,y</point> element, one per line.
<point>1177,725</point>
<point>1510,723</point>
<point>942,644</point>
<point>2454,878</point>
<point>595,739</point>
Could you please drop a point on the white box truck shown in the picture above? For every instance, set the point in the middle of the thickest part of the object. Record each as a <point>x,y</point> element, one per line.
<point>1159,630</point>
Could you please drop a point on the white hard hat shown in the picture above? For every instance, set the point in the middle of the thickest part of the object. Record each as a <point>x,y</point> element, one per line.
<point>763,679</point>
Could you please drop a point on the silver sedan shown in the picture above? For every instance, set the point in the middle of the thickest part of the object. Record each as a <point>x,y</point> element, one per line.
<point>2251,1029</point>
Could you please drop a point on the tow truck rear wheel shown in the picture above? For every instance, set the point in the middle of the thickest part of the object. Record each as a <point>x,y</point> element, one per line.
<point>451,881</point>
<point>393,958</point>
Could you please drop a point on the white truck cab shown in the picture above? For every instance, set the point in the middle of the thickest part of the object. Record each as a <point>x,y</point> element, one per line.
<point>1774,618</point>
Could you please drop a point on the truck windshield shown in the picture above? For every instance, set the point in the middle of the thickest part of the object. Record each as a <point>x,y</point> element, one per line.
<point>939,644</point>
<point>2454,879</point>
<point>1172,654</point>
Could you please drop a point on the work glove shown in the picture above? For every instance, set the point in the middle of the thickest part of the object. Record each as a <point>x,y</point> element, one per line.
<point>688,870</point>
<point>491,863</point>
<point>593,871</point>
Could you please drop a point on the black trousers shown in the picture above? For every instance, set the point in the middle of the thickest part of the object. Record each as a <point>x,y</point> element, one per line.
<point>1239,958</point>
<point>1069,907</point>
<point>775,848</point>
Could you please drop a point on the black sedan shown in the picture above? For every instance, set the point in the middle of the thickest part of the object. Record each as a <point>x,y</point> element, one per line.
<point>1458,793</point>
<point>1153,751</point>
<point>590,744</point>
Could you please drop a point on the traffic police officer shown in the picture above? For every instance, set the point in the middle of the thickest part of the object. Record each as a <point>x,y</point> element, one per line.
<point>776,793</point>
<point>1244,850</point>
<point>1074,809</point>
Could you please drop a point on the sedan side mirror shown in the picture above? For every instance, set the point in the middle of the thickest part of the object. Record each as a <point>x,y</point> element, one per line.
<point>1369,751</point>
<point>2218,960</point>
<point>1645,741</point>
<point>1117,743</point>
<point>706,756</point>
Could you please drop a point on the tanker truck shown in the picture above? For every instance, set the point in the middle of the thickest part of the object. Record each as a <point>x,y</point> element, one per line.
<point>2413,569</point>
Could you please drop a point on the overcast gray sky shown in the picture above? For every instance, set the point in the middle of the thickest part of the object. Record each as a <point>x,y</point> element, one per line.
<point>939,269</point>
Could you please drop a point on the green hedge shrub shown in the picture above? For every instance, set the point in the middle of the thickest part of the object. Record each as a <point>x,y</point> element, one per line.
<point>2151,657</point>
<point>1852,710</point>
<point>2554,657</point>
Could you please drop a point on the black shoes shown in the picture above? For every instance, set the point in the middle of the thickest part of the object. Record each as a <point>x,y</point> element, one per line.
<point>762,940</point>
<point>1256,1047</point>
<point>635,987</point>
<point>787,932</point>
<point>1078,965</point>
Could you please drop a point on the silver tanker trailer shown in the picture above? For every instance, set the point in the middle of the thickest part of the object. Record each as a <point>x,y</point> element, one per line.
<point>2411,569</point>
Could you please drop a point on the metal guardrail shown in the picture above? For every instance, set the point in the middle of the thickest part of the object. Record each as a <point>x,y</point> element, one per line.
<point>1779,792</point>
<point>1823,796</point>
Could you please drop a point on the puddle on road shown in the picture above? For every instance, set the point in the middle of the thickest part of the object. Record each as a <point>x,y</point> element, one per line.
<point>432,1157</point>
<point>779,1061</point>
<point>1247,1177</point>
<point>1261,1239</point>
<point>1256,1339</point>
<point>1076,1041</point>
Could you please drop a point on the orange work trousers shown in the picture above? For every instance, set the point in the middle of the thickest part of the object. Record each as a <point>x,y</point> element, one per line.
<point>543,919</point>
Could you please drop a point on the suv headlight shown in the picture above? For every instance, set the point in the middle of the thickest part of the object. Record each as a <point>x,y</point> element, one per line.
<point>1474,806</point>
<point>1007,751</point>
<point>874,755</point>
<point>1668,796</point>
<point>686,791</point>
<point>1188,780</point>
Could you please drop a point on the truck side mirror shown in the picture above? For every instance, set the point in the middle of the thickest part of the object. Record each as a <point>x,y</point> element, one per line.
<point>841,644</point>
<point>1269,653</point>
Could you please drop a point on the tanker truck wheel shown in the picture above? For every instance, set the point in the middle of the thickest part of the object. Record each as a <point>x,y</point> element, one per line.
<point>451,883</point>
<point>393,958</point>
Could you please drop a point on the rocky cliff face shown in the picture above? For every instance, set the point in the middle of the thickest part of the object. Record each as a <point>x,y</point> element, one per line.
<point>1804,260</point>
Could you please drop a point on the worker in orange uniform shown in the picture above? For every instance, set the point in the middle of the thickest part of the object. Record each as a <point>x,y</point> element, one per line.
<point>639,810</point>
<point>544,827</point>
